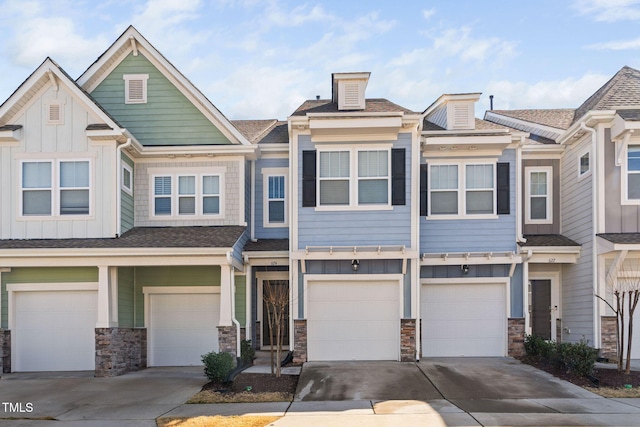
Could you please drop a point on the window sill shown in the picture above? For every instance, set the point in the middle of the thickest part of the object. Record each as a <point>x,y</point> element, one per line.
<point>275,225</point>
<point>460,217</point>
<point>353,208</point>
<point>55,217</point>
<point>184,217</point>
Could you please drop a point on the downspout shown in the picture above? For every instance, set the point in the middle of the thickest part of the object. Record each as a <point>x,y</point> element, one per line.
<point>594,252</point>
<point>519,236</point>
<point>233,305</point>
<point>119,186</point>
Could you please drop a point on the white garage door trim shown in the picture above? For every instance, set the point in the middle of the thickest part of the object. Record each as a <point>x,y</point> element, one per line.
<point>397,279</point>
<point>156,290</point>
<point>13,288</point>
<point>505,281</point>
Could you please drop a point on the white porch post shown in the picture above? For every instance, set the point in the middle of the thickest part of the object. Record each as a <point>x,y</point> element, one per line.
<point>248,290</point>
<point>525,296</point>
<point>107,297</point>
<point>226,295</point>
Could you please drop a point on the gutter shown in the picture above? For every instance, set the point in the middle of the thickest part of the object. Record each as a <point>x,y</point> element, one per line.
<point>594,216</point>
<point>119,186</point>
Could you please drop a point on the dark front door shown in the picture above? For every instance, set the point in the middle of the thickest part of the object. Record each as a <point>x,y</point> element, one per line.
<point>266,336</point>
<point>541,308</point>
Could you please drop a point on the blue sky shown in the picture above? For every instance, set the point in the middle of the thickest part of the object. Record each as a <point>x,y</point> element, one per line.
<point>261,59</point>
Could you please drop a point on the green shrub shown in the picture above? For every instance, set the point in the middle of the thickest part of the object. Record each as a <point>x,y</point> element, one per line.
<point>537,346</point>
<point>578,358</point>
<point>217,366</point>
<point>247,353</point>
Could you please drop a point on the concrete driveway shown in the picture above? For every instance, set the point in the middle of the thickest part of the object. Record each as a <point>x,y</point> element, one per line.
<point>137,397</point>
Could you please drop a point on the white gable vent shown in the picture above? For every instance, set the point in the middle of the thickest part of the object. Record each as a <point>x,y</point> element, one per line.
<point>55,113</point>
<point>348,90</point>
<point>135,88</point>
<point>461,115</point>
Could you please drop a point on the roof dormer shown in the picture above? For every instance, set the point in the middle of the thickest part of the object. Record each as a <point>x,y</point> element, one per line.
<point>454,112</point>
<point>348,90</point>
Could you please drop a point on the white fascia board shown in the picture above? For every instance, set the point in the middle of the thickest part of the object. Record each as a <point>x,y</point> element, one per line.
<point>10,135</point>
<point>543,151</point>
<point>122,259</point>
<point>349,255</point>
<point>249,151</point>
<point>355,123</point>
<point>557,131</point>
<point>621,127</point>
<point>472,258</point>
<point>590,119</point>
<point>275,148</point>
<point>467,145</point>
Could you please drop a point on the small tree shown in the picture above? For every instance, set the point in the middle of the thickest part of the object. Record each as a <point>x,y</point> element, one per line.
<point>276,297</point>
<point>624,284</point>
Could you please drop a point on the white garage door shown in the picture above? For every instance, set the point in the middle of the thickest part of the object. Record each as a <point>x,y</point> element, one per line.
<point>182,327</point>
<point>353,320</point>
<point>464,320</point>
<point>54,330</point>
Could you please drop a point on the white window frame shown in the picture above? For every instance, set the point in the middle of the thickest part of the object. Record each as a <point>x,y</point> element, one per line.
<point>55,189</point>
<point>462,190</point>
<point>123,186</point>
<point>127,81</point>
<point>581,174</point>
<point>624,164</point>
<point>198,173</point>
<point>549,196</point>
<point>266,174</point>
<point>353,178</point>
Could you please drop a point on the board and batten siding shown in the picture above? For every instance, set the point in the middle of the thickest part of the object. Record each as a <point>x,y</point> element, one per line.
<point>473,235</point>
<point>170,276</point>
<point>618,218</point>
<point>261,231</point>
<point>67,141</point>
<point>554,227</point>
<point>230,196</point>
<point>167,118</point>
<point>127,204</point>
<point>577,224</point>
<point>355,227</point>
<point>41,275</point>
<point>126,280</point>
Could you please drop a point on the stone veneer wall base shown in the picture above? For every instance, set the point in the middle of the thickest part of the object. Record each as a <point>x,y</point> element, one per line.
<point>227,340</point>
<point>516,337</point>
<point>608,337</point>
<point>5,351</point>
<point>120,350</point>
<point>300,340</point>
<point>407,340</point>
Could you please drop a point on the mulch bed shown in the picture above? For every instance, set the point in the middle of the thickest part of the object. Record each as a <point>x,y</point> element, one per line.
<point>607,377</point>
<point>259,383</point>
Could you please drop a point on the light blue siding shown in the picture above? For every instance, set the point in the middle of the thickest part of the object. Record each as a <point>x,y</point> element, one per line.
<point>127,204</point>
<point>261,231</point>
<point>517,310</point>
<point>348,227</point>
<point>473,235</point>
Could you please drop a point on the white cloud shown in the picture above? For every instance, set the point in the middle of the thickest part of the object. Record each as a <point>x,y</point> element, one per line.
<point>428,13</point>
<point>609,10</point>
<point>459,42</point>
<point>566,93</point>
<point>617,45</point>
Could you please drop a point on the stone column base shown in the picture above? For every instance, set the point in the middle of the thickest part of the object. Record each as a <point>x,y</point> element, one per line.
<point>608,337</point>
<point>227,340</point>
<point>515,336</point>
<point>120,350</point>
<point>300,340</point>
<point>407,340</point>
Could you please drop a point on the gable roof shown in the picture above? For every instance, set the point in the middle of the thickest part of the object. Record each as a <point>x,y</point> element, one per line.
<point>132,41</point>
<point>372,105</point>
<point>560,118</point>
<point>50,73</point>
<point>622,90</point>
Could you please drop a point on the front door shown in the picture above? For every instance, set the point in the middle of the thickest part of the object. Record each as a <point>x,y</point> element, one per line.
<point>541,308</point>
<point>280,289</point>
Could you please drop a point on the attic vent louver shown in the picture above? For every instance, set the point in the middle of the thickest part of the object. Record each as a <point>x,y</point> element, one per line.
<point>461,116</point>
<point>351,94</point>
<point>135,88</point>
<point>54,113</point>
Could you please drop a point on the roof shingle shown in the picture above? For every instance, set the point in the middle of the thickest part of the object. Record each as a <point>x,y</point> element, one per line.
<point>548,240</point>
<point>560,118</point>
<point>372,105</point>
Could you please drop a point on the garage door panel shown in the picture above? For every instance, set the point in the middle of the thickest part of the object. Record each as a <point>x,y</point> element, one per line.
<point>182,328</point>
<point>71,314</point>
<point>353,320</point>
<point>463,320</point>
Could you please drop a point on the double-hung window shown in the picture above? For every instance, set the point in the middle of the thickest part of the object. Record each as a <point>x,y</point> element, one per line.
<point>354,178</point>
<point>276,199</point>
<point>185,195</point>
<point>55,188</point>
<point>633,173</point>
<point>462,189</point>
<point>538,195</point>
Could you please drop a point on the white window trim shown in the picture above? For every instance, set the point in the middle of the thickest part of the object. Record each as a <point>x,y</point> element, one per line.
<point>353,179</point>
<point>527,192</point>
<point>198,173</point>
<point>274,172</point>
<point>127,78</point>
<point>55,189</point>
<point>462,190</point>
<point>583,175</point>
<point>128,190</point>
<point>624,165</point>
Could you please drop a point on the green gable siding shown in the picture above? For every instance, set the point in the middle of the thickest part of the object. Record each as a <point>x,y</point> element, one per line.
<point>126,207</point>
<point>170,276</point>
<point>126,278</point>
<point>241,299</point>
<point>168,117</point>
<point>42,275</point>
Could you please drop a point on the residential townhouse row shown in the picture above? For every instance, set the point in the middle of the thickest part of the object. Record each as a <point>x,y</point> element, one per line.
<point>138,225</point>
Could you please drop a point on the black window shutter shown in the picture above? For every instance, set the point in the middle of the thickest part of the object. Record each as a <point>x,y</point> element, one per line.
<point>504,193</point>
<point>309,178</point>
<point>398,177</point>
<point>424,170</point>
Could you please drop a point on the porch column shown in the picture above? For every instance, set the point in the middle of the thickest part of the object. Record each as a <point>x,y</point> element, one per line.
<point>226,295</point>
<point>525,296</point>
<point>107,297</point>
